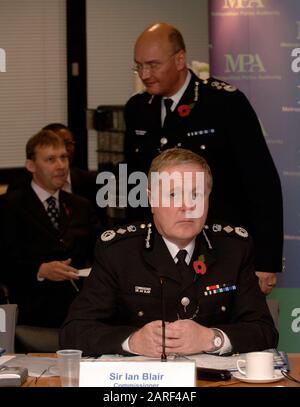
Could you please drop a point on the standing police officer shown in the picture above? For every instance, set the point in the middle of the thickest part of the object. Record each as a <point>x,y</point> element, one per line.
<point>217,121</point>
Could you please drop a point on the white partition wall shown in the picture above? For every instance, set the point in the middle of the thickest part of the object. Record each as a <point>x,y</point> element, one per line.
<point>33,90</point>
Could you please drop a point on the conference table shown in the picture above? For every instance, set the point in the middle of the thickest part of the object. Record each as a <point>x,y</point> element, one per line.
<point>294,363</point>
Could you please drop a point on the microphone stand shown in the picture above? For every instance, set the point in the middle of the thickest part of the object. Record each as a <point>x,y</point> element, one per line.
<point>163,357</point>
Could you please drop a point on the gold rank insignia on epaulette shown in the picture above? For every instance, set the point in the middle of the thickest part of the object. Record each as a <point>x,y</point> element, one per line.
<point>229,230</point>
<point>220,85</point>
<point>120,231</point>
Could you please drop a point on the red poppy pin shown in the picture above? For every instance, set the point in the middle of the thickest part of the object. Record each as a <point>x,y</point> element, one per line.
<point>199,265</point>
<point>185,110</point>
<point>67,210</point>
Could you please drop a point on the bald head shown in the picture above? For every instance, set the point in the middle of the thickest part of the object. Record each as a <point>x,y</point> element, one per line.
<point>160,58</point>
<point>163,32</point>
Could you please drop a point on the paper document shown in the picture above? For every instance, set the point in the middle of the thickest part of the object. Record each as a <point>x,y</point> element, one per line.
<point>84,272</point>
<point>229,362</point>
<point>6,358</point>
<point>206,360</point>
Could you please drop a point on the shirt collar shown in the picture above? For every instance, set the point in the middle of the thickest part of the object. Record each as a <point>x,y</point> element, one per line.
<point>42,194</point>
<point>173,249</point>
<point>178,95</point>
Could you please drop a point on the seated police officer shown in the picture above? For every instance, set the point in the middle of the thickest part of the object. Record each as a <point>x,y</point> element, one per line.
<point>200,279</point>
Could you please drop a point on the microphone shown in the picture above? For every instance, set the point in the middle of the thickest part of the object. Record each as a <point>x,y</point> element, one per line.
<point>163,357</point>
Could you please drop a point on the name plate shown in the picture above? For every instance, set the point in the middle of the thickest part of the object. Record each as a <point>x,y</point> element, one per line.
<point>137,374</point>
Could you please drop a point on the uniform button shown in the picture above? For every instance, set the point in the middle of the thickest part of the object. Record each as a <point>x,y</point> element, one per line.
<point>185,301</point>
<point>223,308</point>
<point>140,313</point>
<point>137,150</point>
<point>203,146</point>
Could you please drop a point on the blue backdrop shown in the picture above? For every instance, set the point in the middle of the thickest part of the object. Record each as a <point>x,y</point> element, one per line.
<point>252,43</point>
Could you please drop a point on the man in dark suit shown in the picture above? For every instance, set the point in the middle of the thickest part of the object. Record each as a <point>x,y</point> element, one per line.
<point>78,181</point>
<point>199,279</point>
<point>217,121</point>
<point>47,235</point>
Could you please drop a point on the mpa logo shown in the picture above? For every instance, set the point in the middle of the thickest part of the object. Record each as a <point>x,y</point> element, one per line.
<point>2,60</point>
<point>244,63</point>
<point>243,4</point>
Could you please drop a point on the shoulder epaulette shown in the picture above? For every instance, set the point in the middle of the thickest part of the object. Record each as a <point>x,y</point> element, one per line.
<point>219,85</point>
<point>227,230</point>
<point>121,232</point>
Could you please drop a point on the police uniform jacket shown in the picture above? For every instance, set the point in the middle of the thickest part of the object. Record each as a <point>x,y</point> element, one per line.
<point>29,239</point>
<point>217,121</point>
<point>129,281</point>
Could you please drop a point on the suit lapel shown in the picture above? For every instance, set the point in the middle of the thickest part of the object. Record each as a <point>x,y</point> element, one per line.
<point>189,95</point>
<point>177,124</point>
<point>65,211</point>
<point>36,209</point>
<point>202,249</point>
<point>154,113</point>
<point>160,259</point>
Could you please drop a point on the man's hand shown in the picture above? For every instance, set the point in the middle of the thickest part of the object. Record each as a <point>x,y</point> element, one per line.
<point>182,337</point>
<point>58,271</point>
<point>266,281</point>
<point>185,337</point>
<point>147,340</point>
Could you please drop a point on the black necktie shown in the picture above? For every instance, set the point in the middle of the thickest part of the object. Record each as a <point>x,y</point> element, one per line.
<point>168,103</point>
<point>52,211</point>
<point>181,255</point>
<point>181,264</point>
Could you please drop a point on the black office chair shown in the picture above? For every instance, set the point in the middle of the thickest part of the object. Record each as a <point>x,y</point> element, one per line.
<point>27,338</point>
<point>36,339</point>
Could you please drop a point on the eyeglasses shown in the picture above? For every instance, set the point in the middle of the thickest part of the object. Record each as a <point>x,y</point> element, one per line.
<point>152,66</point>
<point>289,376</point>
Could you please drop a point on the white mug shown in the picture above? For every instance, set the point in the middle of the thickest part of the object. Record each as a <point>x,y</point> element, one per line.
<point>258,365</point>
